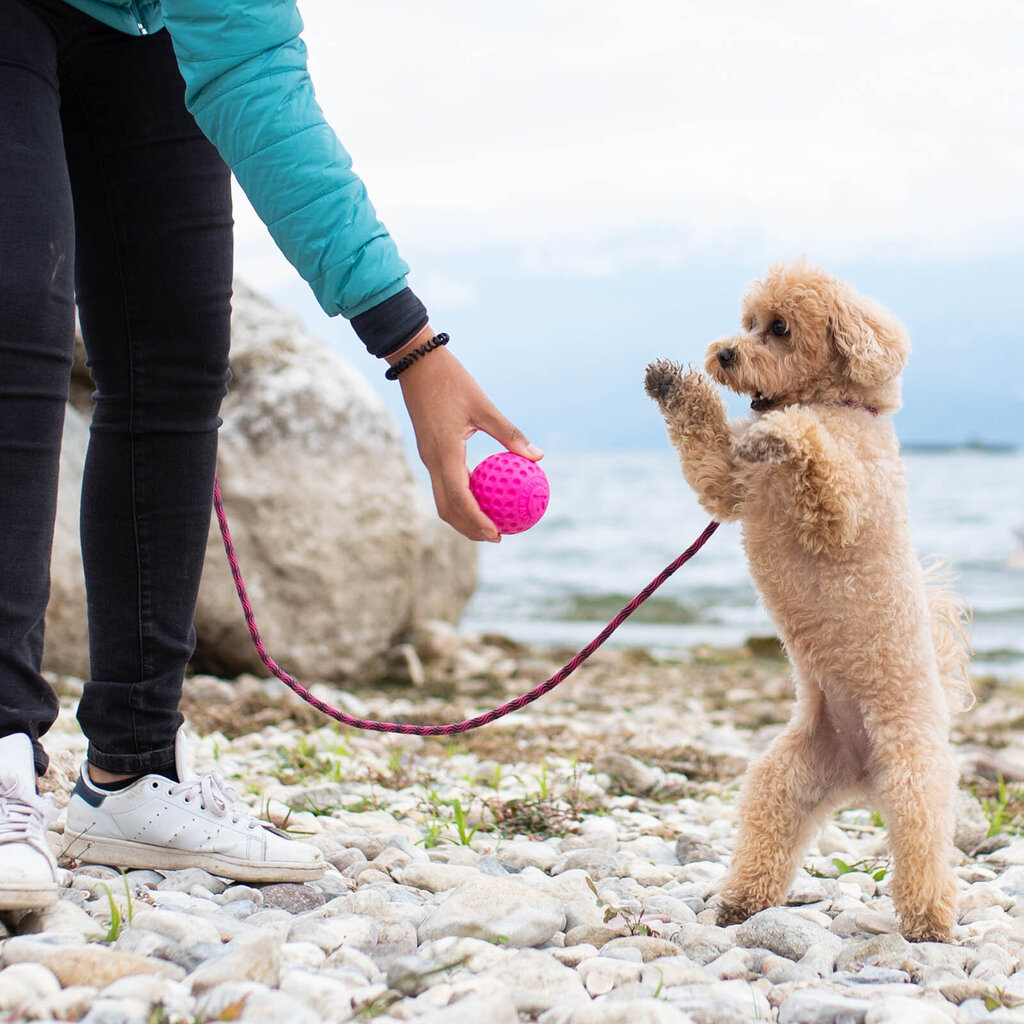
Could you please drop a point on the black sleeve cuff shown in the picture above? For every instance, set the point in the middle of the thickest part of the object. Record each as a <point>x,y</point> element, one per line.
<point>385,328</point>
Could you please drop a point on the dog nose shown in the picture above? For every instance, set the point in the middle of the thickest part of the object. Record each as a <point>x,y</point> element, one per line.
<point>726,357</point>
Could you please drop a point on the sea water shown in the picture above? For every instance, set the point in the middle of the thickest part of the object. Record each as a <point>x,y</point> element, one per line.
<point>616,519</point>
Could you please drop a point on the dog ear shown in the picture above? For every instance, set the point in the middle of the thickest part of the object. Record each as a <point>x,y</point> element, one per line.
<point>873,342</point>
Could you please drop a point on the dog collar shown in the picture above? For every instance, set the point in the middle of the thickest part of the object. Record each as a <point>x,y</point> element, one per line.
<point>762,404</point>
<point>861,405</point>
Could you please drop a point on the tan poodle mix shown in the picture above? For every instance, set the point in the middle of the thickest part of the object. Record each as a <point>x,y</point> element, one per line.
<point>877,643</point>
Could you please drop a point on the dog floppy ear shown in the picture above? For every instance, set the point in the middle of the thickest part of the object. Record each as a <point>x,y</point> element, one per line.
<point>873,342</point>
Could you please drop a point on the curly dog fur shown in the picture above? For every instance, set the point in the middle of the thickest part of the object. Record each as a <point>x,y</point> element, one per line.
<point>877,643</point>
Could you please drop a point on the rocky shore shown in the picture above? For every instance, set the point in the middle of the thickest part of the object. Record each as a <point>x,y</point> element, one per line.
<point>557,866</point>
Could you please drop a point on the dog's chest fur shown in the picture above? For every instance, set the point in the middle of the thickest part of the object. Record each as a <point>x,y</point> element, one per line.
<point>812,589</point>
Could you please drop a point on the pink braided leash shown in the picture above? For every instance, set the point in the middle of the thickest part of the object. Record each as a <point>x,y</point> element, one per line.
<point>454,727</point>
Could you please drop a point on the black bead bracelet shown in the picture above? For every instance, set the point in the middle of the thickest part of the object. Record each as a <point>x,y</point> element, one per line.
<point>406,361</point>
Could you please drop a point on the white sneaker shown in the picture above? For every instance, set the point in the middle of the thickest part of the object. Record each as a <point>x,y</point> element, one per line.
<point>28,871</point>
<point>163,825</point>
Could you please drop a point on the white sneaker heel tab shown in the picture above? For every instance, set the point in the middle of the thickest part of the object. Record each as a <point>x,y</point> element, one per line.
<point>17,760</point>
<point>182,765</point>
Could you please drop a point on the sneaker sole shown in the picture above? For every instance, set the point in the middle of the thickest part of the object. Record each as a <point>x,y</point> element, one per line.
<point>120,853</point>
<point>22,896</point>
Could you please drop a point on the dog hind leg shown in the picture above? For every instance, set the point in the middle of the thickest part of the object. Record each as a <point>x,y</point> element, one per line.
<point>784,799</point>
<point>915,791</point>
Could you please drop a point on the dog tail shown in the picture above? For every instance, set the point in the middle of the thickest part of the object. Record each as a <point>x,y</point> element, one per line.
<point>951,623</point>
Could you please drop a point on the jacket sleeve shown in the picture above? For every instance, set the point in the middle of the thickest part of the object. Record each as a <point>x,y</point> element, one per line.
<point>248,87</point>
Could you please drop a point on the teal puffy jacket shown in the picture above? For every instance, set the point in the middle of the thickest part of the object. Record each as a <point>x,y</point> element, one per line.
<point>248,88</point>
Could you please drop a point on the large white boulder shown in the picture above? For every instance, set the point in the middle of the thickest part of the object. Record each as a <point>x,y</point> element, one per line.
<point>340,551</point>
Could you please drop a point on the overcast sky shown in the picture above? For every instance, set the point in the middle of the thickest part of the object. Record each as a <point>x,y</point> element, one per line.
<point>572,178</point>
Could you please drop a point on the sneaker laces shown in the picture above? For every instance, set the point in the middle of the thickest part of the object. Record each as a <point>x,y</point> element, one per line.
<point>24,817</point>
<point>214,794</point>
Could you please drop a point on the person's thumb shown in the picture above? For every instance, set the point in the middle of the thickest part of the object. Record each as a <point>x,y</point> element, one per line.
<point>506,433</point>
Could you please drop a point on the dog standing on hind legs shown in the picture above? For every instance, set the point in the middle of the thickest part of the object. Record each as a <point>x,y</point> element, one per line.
<point>877,642</point>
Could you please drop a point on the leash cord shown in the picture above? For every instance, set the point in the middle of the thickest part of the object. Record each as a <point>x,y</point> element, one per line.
<point>455,727</point>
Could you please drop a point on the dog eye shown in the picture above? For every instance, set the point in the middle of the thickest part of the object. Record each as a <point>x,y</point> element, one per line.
<point>779,328</point>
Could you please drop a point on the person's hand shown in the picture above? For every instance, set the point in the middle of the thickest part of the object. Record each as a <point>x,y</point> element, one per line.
<point>446,407</point>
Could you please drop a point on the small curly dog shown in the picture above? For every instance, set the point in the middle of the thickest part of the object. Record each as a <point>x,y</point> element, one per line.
<point>877,641</point>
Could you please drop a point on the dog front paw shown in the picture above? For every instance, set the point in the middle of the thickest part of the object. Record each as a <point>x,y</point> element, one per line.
<point>761,443</point>
<point>684,396</point>
<point>662,380</point>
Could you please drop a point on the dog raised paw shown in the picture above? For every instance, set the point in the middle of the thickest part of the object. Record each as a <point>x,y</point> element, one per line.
<point>684,396</point>
<point>662,379</point>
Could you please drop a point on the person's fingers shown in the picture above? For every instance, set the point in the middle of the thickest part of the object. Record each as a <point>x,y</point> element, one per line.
<point>505,432</point>
<point>456,504</point>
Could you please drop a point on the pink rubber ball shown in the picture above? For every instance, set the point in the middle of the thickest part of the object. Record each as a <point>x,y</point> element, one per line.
<point>511,491</point>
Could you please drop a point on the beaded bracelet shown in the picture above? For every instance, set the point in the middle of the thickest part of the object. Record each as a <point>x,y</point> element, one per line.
<point>407,360</point>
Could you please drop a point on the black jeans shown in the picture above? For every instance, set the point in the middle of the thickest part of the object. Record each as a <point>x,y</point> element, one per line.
<point>111,197</point>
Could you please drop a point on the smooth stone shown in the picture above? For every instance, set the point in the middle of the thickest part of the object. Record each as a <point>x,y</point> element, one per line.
<point>492,1007</point>
<point>71,1003</point>
<point>187,879</point>
<point>144,943</point>
<point>172,995</point>
<point>971,827</point>
<point>329,933</point>
<point>495,909</point>
<point>302,954</point>
<point>184,928</point>
<point>255,1003</point>
<point>612,1010</point>
<point>661,905</point>
<point>395,937</point>
<point>720,1001</point>
<point>784,932</point>
<point>596,935</point>
<point>99,965</point>
<point>574,955</point>
<point>22,985</point>
<point>521,854</point>
<point>821,1006</point>
<point>238,910</point>
<point>880,951</point>
<point>649,946</point>
<point>597,863</point>
<point>327,996</point>
<point>241,892</point>
<point>473,954</point>
<point>253,958</point>
<point>693,851</point>
<point>870,975</point>
<point>959,990</point>
<point>433,877</point>
<point>875,923</point>
<point>196,954</point>
<point>940,954</point>
<point>63,918</point>
<point>535,982</point>
<point>293,897</point>
<point>601,974</point>
<point>703,943</point>
<point>627,773</point>
<point>116,1011</point>
<point>903,1010</point>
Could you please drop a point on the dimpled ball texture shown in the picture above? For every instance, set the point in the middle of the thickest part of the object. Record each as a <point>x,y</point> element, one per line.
<point>511,491</point>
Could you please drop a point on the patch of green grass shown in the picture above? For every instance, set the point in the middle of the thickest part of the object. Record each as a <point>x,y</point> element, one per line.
<point>117,919</point>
